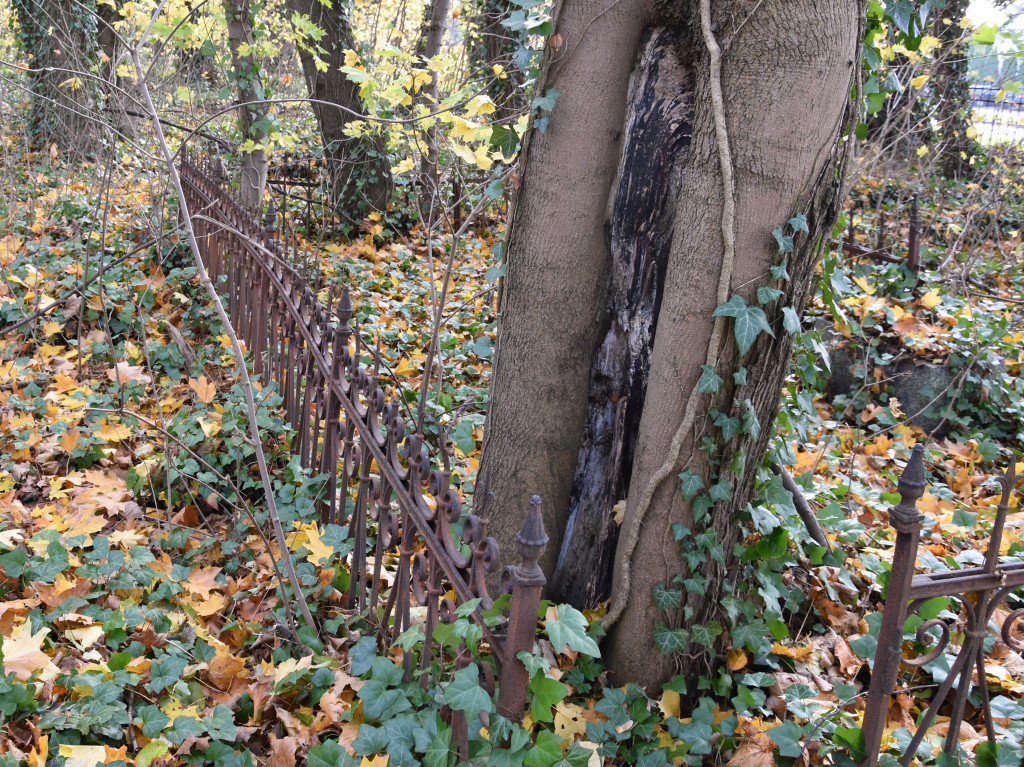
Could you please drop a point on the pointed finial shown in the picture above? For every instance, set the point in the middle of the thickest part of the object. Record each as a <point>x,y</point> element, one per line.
<point>345,308</point>
<point>532,540</point>
<point>904,516</point>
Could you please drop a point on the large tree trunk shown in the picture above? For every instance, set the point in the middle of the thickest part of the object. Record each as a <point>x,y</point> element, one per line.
<point>630,272</point>
<point>951,90</point>
<point>59,38</point>
<point>360,173</point>
<point>252,115</point>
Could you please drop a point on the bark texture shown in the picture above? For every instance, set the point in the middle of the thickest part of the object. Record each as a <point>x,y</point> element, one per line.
<point>252,116</point>
<point>552,310</point>
<point>786,79</point>
<point>361,174</point>
<point>615,252</point>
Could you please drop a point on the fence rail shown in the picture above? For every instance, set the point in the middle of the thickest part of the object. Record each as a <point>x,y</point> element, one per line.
<point>379,475</point>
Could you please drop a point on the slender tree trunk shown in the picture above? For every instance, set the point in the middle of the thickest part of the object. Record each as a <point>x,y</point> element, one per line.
<point>60,40</point>
<point>360,171</point>
<point>252,116</point>
<point>607,317</point>
<point>951,90</point>
<point>436,24</point>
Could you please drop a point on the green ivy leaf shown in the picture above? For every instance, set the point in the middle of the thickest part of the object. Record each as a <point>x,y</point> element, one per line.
<point>330,754</point>
<point>787,737</point>
<point>798,223</point>
<point>670,640</point>
<point>665,598</point>
<point>749,322</point>
<point>690,484</point>
<point>766,295</point>
<point>547,692</point>
<point>464,693</point>
<point>546,751</point>
<point>706,634</point>
<point>790,319</point>
<point>710,382</point>
<point>570,628</point>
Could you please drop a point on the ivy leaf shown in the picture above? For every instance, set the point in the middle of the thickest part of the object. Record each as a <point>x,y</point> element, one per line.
<point>706,634</point>
<point>164,672</point>
<point>729,426</point>
<point>670,640</point>
<point>665,598</point>
<point>439,751</point>
<point>570,628</point>
<point>790,319</point>
<point>787,737</point>
<point>752,635</point>
<point>902,14</point>
<point>798,223</point>
<point>153,721</point>
<point>330,754</point>
<point>710,382</point>
<point>750,321</point>
<point>464,693</point>
<point>546,752</point>
<point>766,295</point>
<point>547,692</point>
<point>690,484</point>
<point>783,240</point>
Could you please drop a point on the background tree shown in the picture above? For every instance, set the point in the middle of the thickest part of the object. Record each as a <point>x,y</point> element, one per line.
<point>60,41</point>
<point>360,172</point>
<point>666,182</point>
<point>253,122</point>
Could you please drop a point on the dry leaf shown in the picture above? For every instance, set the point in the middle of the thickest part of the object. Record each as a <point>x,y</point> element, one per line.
<point>203,388</point>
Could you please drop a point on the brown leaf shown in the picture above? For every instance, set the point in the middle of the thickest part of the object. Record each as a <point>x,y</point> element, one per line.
<point>203,388</point>
<point>282,751</point>
<point>755,751</point>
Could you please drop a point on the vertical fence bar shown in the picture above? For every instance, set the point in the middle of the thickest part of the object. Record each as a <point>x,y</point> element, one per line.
<point>906,519</point>
<point>914,244</point>
<point>527,581</point>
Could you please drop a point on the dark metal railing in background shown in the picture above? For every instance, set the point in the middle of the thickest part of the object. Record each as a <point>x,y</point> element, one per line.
<point>378,475</point>
<point>980,590</point>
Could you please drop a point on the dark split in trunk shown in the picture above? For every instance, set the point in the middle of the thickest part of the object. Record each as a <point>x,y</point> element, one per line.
<point>639,230</point>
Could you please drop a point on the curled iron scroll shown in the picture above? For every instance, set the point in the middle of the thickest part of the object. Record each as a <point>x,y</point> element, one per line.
<point>925,638</point>
<point>1014,643</point>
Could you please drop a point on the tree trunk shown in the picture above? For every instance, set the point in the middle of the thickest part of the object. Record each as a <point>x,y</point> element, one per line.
<point>252,116</point>
<point>951,90</point>
<point>360,173</point>
<point>436,25</point>
<point>59,38</point>
<point>630,271</point>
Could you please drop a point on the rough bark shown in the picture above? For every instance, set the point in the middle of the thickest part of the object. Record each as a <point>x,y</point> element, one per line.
<point>360,173</point>
<point>603,212</point>
<point>437,19</point>
<point>786,81</point>
<point>59,38</point>
<point>951,90</point>
<point>252,115</point>
<point>552,308</point>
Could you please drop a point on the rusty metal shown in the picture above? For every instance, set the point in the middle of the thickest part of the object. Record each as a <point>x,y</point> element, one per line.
<point>980,590</point>
<point>379,474</point>
<point>880,252</point>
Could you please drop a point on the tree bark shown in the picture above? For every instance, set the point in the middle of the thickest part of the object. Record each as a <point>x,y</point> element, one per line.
<point>436,25</point>
<point>60,40</point>
<point>252,115</point>
<point>360,173</point>
<point>615,250</point>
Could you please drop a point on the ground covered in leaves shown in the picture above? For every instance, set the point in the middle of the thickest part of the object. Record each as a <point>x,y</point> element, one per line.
<point>140,602</point>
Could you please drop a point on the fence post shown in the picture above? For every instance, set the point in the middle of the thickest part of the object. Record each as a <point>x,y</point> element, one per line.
<point>527,581</point>
<point>906,519</point>
<point>914,245</point>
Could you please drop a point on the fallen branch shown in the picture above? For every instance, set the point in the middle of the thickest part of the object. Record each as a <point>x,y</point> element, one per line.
<point>802,507</point>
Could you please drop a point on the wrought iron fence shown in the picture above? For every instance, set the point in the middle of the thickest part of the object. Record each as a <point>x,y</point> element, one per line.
<point>380,477</point>
<point>997,115</point>
<point>980,590</point>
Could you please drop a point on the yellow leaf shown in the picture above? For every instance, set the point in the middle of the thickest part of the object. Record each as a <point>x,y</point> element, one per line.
<point>670,703</point>
<point>922,151</point>
<point>918,81</point>
<point>110,432</point>
<point>318,550</point>
<point>862,283</point>
<point>52,328</point>
<point>83,756</point>
<point>209,427</point>
<point>971,132</point>
<point>203,388</point>
<point>23,654</point>
<point>569,721</point>
<point>928,44</point>
<point>405,369</point>
<point>931,299</point>
<point>128,538</point>
<point>483,159</point>
<point>351,58</point>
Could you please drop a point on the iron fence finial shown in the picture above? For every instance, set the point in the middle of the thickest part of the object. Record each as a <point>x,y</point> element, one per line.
<point>911,487</point>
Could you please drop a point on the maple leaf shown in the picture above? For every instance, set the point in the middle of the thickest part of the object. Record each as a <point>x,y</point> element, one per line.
<point>203,580</point>
<point>83,756</point>
<point>756,751</point>
<point>203,388</point>
<point>23,655</point>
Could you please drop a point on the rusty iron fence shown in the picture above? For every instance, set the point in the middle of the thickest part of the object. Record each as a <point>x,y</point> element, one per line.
<point>380,477</point>
<point>979,590</point>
